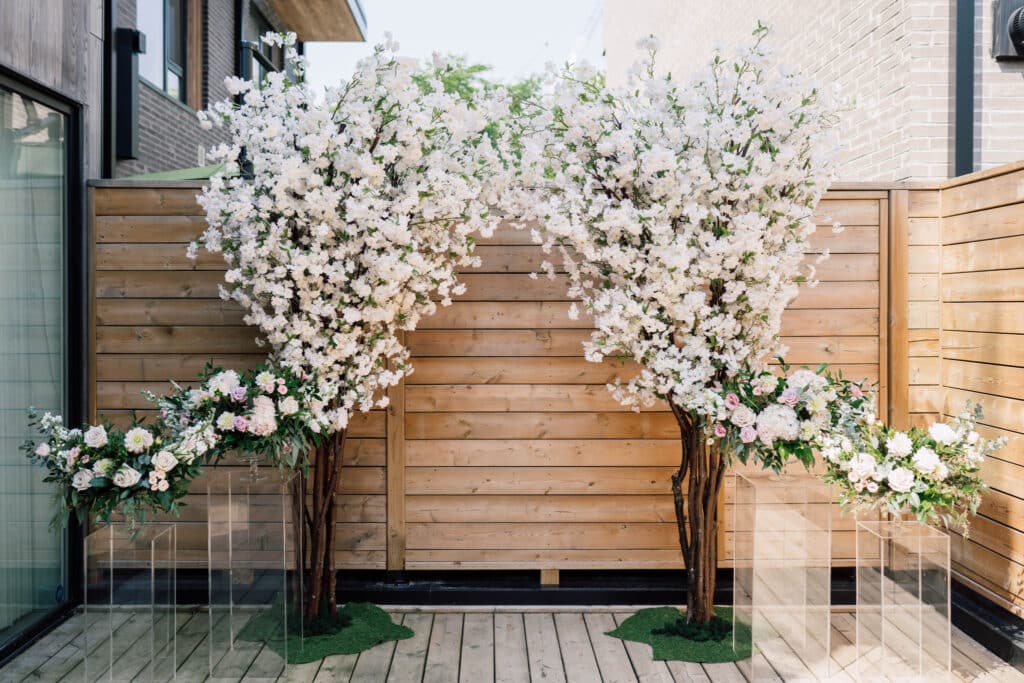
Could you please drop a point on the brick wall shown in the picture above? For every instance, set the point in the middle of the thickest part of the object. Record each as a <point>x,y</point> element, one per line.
<point>169,133</point>
<point>892,59</point>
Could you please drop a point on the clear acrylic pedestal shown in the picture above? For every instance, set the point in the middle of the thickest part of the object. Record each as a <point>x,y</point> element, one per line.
<point>903,596</point>
<point>782,561</point>
<point>250,549</point>
<point>130,602</point>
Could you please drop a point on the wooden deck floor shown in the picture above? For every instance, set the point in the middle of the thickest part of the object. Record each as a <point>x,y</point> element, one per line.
<point>470,646</point>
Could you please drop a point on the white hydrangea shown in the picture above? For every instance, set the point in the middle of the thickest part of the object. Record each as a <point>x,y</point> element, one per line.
<point>777,422</point>
<point>682,212</point>
<point>344,222</point>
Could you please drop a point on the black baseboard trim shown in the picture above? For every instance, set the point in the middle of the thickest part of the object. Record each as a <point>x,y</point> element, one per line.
<point>999,630</point>
<point>37,630</point>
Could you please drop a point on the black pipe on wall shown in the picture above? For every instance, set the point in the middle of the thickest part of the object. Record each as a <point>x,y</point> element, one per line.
<point>963,118</point>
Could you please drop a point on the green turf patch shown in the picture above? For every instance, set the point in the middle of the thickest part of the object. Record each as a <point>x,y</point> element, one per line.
<point>670,638</point>
<point>358,626</point>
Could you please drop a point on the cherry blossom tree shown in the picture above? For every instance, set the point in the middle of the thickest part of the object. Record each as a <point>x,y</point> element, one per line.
<point>343,217</point>
<point>682,214</point>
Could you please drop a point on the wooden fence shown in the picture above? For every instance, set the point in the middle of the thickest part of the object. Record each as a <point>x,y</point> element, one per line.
<point>503,449</point>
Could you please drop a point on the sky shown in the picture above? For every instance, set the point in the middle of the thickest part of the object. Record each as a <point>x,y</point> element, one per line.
<point>515,37</point>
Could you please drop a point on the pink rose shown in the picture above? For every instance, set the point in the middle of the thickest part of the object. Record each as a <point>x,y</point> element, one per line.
<point>282,389</point>
<point>719,430</point>
<point>856,392</point>
<point>748,434</point>
<point>732,401</point>
<point>758,391</point>
<point>789,397</point>
<point>238,393</point>
<point>241,424</point>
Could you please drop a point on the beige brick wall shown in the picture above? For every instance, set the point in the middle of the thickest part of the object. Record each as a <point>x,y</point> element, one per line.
<point>892,60</point>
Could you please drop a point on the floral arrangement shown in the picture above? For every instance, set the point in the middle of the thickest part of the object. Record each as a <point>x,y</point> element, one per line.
<point>101,470</point>
<point>268,411</point>
<point>933,473</point>
<point>767,419</point>
<point>344,222</point>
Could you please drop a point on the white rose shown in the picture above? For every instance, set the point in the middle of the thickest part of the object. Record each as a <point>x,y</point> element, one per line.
<point>137,440</point>
<point>743,417</point>
<point>288,406</point>
<point>164,460</point>
<point>96,437</point>
<point>82,479</point>
<point>861,466</point>
<point>901,479</point>
<point>942,433</point>
<point>102,467</point>
<point>127,477</point>
<point>43,450</point>
<point>899,445</point>
<point>941,472</point>
<point>226,421</point>
<point>926,460</point>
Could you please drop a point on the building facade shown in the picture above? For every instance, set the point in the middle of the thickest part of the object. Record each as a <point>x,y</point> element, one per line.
<point>895,62</point>
<point>93,89</point>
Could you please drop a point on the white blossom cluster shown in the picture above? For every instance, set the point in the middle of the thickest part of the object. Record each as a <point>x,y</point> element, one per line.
<point>343,218</point>
<point>682,213</point>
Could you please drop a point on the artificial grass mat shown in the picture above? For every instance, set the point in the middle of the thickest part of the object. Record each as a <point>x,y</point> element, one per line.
<point>659,627</point>
<point>358,626</point>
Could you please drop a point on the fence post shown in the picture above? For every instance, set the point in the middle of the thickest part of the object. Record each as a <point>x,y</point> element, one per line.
<point>395,435</point>
<point>896,330</point>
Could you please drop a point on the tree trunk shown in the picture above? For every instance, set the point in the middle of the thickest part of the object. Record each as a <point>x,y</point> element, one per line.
<point>702,468</point>
<point>314,517</point>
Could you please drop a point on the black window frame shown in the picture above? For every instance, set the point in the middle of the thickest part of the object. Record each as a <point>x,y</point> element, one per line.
<point>179,70</point>
<point>78,343</point>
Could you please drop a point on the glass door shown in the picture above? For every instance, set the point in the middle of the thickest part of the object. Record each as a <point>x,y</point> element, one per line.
<point>33,228</point>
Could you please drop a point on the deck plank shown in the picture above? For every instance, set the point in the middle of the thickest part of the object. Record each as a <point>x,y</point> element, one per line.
<point>511,663</point>
<point>542,649</point>
<point>577,652</point>
<point>411,654</point>
<point>610,652</point>
<point>445,647</point>
<point>477,656</point>
<point>647,670</point>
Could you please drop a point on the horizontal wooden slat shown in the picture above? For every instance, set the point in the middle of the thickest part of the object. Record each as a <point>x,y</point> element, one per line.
<point>142,367</point>
<point>923,203</point>
<point>1001,380</point>
<point>1004,221</point>
<point>537,480</point>
<point>625,536</point>
<point>1000,286</point>
<point>1003,316</point>
<point>508,397</point>
<point>154,256</point>
<point>158,284</point>
<point>123,201</point>
<point>168,312</point>
<point>996,254</point>
<point>541,426</point>
<point>540,508</point>
<point>184,339</point>
<point>1005,413</point>
<point>149,229</point>
<point>989,192</point>
<point>543,453</point>
<point>982,347</point>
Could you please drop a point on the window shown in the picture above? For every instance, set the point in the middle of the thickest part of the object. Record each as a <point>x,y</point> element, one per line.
<point>34,320</point>
<point>255,28</point>
<point>163,63</point>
